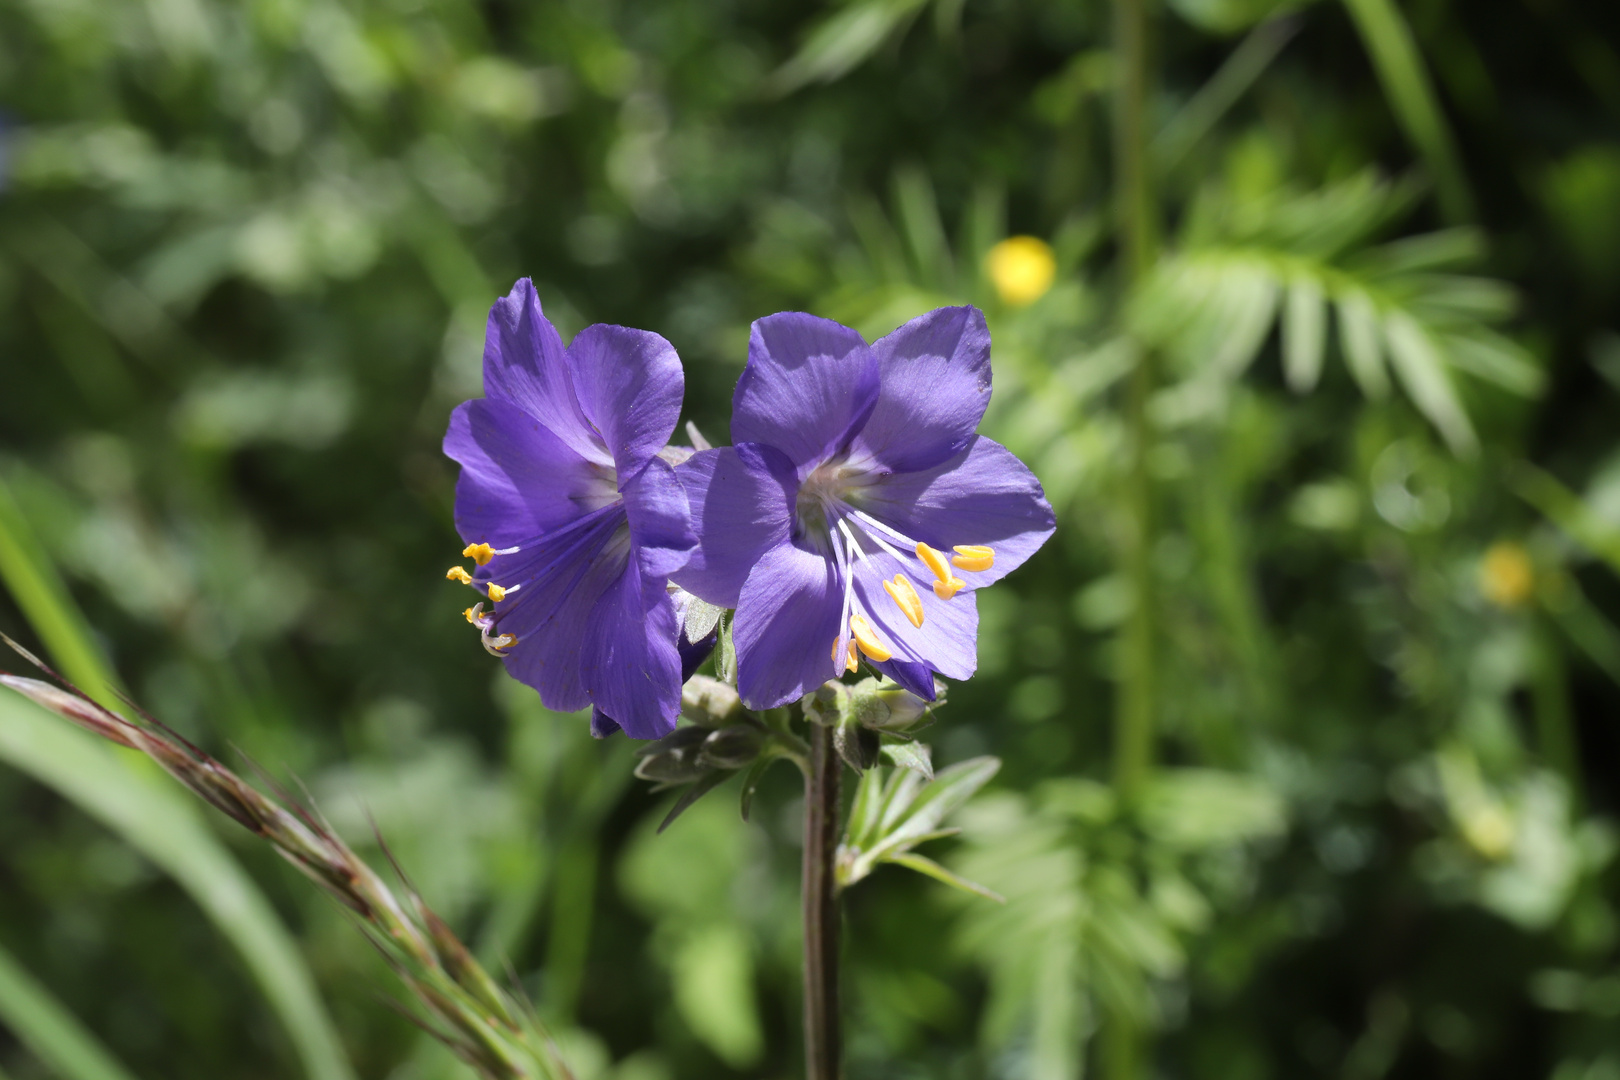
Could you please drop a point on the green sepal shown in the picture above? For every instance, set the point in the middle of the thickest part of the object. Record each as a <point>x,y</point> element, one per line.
<point>924,865</point>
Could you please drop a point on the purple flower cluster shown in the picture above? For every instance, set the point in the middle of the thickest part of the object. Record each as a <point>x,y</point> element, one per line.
<point>854,517</point>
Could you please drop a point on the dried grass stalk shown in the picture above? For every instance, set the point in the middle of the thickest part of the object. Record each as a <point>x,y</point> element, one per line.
<point>482,1023</point>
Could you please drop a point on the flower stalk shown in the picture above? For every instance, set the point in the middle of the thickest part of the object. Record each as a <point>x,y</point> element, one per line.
<point>823,1036</point>
<point>1124,1046</point>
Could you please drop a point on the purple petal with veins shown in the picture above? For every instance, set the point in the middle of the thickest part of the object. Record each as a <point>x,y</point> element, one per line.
<point>852,462</point>
<point>560,477</point>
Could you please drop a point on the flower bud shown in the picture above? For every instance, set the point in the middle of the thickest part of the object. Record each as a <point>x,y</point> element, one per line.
<point>888,707</point>
<point>676,758</point>
<point>902,708</point>
<point>733,747</point>
<point>710,702</point>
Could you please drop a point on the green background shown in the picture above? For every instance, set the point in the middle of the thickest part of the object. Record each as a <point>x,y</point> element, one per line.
<point>246,252</point>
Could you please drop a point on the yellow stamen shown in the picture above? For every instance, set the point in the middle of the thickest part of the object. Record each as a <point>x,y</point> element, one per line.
<point>850,662</point>
<point>935,560</point>
<point>505,641</point>
<point>478,553</point>
<point>901,592</point>
<point>469,614</point>
<point>947,589</point>
<point>496,593</point>
<point>974,557</point>
<point>867,639</point>
<point>456,573</point>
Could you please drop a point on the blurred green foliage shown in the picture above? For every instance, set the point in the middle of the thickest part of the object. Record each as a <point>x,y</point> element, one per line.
<point>246,250</point>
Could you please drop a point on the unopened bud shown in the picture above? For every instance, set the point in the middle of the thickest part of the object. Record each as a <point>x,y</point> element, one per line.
<point>827,703</point>
<point>733,747</point>
<point>857,745</point>
<point>674,759</point>
<point>884,706</point>
<point>710,702</point>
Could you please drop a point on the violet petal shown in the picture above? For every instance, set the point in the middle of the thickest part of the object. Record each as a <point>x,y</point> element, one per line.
<point>787,621</point>
<point>628,660</point>
<point>629,384</point>
<point>660,522</point>
<point>984,495</point>
<point>809,386</point>
<point>525,365</point>
<point>518,480</point>
<point>741,500</point>
<point>936,384</point>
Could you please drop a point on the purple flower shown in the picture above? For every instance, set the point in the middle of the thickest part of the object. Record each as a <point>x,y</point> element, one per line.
<point>574,520</point>
<point>858,511</point>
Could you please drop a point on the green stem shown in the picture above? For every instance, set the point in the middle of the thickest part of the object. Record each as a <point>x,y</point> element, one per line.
<point>823,1039</point>
<point>1123,1050</point>
<point>1555,725</point>
<point>1133,730</point>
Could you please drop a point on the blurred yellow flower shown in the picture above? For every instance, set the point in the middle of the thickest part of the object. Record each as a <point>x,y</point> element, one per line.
<point>1490,832</point>
<point>1021,268</point>
<point>1506,575</point>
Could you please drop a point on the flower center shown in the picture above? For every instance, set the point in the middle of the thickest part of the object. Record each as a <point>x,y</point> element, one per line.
<point>601,488</point>
<point>822,502</point>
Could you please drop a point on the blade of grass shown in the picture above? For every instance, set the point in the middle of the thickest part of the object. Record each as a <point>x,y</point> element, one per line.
<point>49,1031</point>
<point>1394,52</point>
<point>134,801</point>
<point>1567,510</point>
<point>1223,90</point>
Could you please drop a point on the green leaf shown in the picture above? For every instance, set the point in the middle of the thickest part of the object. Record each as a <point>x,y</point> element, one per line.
<point>49,1031</point>
<point>1230,16</point>
<point>1247,307</point>
<point>725,657</point>
<point>134,799</point>
<point>864,811</point>
<point>1568,511</point>
<point>713,980</point>
<point>750,783</point>
<point>1443,249</point>
<point>1216,97</point>
<point>925,865</point>
<point>1417,361</point>
<point>905,754</point>
<point>946,792</point>
<point>691,795</point>
<point>923,230</point>
<point>1304,334</point>
<point>1492,357</point>
<point>1394,53</point>
<point>840,43</point>
<point>890,821</point>
<point>1360,339</point>
<point>1196,809</point>
<point>907,812</point>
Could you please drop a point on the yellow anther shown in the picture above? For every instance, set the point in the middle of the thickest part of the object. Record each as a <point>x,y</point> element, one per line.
<point>902,593</point>
<point>935,561</point>
<point>478,553</point>
<point>974,557</point>
<point>867,639</point>
<point>949,588</point>
<point>505,641</point>
<point>469,614</point>
<point>496,593</point>
<point>456,573</point>
<point>850,662</point>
